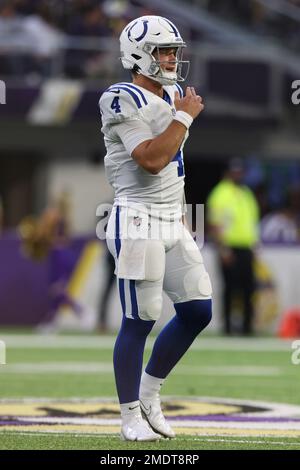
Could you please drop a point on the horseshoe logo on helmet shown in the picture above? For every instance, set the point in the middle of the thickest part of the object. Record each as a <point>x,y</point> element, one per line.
<point>145,25</point>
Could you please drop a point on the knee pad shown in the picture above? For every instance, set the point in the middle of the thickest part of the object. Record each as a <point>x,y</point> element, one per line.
<point>195,314</point>
<point>197,283</point>
<point>150,307</point>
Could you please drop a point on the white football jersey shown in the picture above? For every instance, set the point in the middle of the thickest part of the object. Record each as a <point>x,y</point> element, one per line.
<point>127,102</point>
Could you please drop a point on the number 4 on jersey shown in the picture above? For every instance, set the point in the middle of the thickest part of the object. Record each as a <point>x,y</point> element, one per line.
<point>178,158</point>
<point>116,105</point>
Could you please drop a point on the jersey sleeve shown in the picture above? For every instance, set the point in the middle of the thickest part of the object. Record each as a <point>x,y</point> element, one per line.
<point>121,103</point>
<point>133,133</point>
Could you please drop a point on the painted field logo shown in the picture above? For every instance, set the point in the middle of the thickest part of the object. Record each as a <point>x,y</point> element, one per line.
<point>2,353</point>
<point>189,416</point>
<point>2,92</point>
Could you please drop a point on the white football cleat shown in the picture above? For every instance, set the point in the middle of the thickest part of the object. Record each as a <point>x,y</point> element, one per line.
<point>137,429</point>
<point>151,409</point>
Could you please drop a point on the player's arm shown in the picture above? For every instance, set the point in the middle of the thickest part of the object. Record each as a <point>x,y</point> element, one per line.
<point>155,154</point>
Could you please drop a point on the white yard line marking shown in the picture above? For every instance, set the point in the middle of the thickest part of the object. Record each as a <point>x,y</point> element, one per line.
<point>116,437</point>
<point>106,342</point>
<point>248,370</point>
<point>103,367</point>
<point>57,368</point>
<point>246,441</point>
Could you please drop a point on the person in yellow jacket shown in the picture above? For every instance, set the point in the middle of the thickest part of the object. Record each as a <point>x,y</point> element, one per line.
<point>233,217</point>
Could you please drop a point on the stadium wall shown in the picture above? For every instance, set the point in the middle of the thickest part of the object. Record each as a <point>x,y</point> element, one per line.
<point>86,186</point>
<point>24,284</point>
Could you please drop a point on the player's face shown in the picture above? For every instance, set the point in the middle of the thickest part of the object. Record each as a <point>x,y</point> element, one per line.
<point>167,57</point>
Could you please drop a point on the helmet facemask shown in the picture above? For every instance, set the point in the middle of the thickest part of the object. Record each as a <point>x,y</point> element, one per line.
<point>156,70</point>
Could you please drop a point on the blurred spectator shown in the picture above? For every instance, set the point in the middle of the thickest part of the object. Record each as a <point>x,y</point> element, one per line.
<point>91,22</point>
<point>45,37</point>
<point>11,36</point>
<point>35,28</point>
<point>28,43</point>
<point>32,32</point>
<point>54,228</point>
<point>260,19</point>
<point>233,220</point>
<point>26,7</point>
<point>118,12</point>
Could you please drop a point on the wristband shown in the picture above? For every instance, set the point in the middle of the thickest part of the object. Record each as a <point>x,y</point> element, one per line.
<point>183,117</point>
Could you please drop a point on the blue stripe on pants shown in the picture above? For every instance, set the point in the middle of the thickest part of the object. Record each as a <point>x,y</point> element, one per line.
<point>118,248</point>
<point>134,305</point>
<point>122,295</point>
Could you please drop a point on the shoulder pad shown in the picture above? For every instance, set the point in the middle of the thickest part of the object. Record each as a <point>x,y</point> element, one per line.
<point>120,102</point>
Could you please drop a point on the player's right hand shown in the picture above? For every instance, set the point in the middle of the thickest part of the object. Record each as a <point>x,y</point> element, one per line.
<point>191,103</point>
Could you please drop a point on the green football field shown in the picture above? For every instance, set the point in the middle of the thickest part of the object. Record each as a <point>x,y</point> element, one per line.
<point>226,393</point>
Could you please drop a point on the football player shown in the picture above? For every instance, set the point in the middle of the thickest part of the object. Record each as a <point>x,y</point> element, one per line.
<point>145,124</point>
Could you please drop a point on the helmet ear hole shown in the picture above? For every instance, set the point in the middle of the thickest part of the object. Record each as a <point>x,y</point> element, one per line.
<point>136,68</point>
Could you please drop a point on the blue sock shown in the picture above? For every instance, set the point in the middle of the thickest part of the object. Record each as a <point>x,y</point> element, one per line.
<point>128,357</point>
<point>178,335</point>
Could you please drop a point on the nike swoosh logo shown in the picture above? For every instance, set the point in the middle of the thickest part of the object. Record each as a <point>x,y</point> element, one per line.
<point>133,407</point>
<point>146,410</point>
<point>115,91</point>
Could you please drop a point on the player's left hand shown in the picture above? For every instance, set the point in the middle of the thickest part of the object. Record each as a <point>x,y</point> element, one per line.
<point>191,103</point>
